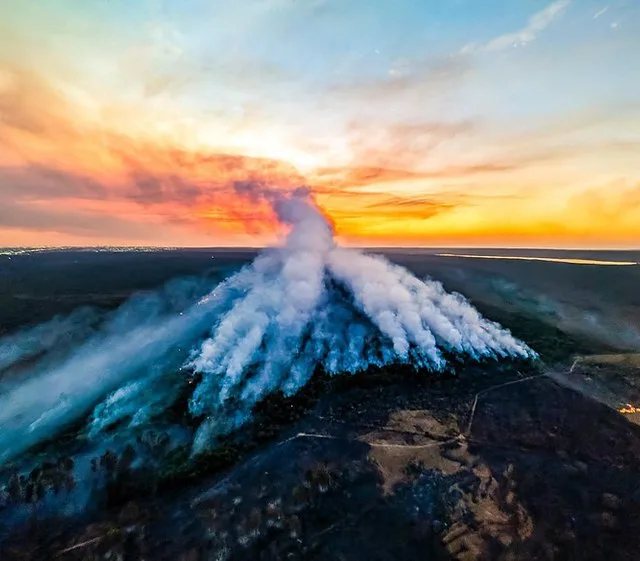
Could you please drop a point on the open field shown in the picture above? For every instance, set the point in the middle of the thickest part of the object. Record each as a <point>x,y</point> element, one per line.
<point>617,359</point>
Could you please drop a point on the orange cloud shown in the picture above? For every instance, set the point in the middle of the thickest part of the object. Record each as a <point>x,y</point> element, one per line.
<point>331,178</point>
<point>63,156</point>
<point>67,172</point>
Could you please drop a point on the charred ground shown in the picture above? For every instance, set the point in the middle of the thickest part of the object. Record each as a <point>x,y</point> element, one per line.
<point>492,462</point>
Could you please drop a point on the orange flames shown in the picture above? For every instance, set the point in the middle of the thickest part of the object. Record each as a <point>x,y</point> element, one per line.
<point>629,410</point>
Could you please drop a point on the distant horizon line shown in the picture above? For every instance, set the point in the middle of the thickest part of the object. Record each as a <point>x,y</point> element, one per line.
<point>262,247</point>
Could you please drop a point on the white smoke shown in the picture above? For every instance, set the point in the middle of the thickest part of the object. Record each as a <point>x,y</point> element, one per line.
<point>138,341</point>
<point>311,304</point>
<point>304,305</point>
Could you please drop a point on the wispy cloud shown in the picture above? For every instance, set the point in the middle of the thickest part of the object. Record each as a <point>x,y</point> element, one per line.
<point>404,145</point>
<point>536,24</point>
<point>140,135</point>
<point>422,79</point>
<point>601,12</point>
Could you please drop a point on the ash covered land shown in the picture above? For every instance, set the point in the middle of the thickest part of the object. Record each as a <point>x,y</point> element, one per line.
<point>312,401</point>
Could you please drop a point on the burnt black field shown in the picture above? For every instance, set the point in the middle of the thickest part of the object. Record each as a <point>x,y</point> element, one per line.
<point>384,465</point>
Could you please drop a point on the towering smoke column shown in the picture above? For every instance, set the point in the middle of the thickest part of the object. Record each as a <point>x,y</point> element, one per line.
<point>304,305</point>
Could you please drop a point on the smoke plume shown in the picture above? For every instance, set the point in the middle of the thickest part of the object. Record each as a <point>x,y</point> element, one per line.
<point>313,303</point>
<point>306,304</point>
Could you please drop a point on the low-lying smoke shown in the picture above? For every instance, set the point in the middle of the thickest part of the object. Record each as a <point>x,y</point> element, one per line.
<point>304,305</point>
<point>146,335</point>
<point>600,320</point>
<point>56,334</point>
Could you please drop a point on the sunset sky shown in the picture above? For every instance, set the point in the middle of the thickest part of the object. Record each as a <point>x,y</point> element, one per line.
<point>414,122</point>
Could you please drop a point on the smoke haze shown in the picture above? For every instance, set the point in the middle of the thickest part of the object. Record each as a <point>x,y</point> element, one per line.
<point>306,304</point>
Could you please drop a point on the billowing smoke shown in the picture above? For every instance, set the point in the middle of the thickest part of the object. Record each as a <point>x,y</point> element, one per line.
<point>305,305</point>
<point>56,334</point>
<point>313,303</point>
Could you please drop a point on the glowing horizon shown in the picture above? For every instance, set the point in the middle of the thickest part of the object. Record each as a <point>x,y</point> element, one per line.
<point>457,125</point>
